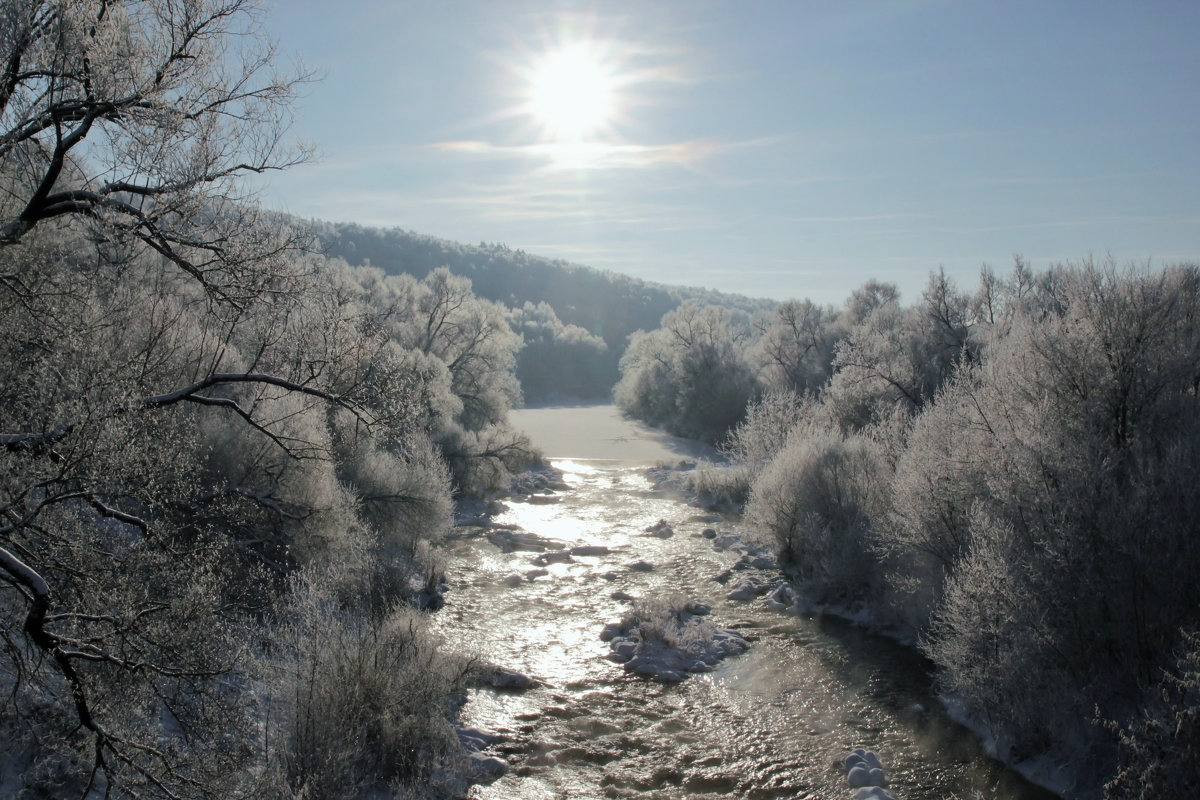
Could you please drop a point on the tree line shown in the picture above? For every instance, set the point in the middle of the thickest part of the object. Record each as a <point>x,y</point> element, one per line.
<point>1007,476</point>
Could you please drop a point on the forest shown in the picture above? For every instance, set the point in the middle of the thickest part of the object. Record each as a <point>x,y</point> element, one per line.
<point>1005,477</point>
<point>233,445</point>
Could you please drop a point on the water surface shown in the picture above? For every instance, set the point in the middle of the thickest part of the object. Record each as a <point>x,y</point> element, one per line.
<point>773,723</point>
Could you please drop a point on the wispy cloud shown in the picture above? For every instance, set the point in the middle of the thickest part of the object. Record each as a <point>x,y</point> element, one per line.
<point>592,155</point>
<point>1106,221</point>
<point>825,220</point>
<point>1064,180</point>
<point>518,202</point>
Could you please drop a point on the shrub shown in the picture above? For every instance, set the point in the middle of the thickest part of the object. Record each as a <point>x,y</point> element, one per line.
<point>721,486</point>
<point>818,503</point>
<point>360,707</point>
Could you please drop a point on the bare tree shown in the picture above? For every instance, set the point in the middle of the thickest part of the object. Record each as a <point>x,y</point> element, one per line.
<point>795,347</point>
<point>133,124</point>
<point>143,117</point>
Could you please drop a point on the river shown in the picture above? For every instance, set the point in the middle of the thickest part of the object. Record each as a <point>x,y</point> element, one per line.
<point>775,722</point>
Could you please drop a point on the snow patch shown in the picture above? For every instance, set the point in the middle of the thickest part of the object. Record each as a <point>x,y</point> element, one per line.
<point>864,772</point>
<point>749,589</point>
<point>661,529</point>
<point>669,638</point>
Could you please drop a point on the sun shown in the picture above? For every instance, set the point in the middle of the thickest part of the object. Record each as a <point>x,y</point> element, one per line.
<point>572,94</point>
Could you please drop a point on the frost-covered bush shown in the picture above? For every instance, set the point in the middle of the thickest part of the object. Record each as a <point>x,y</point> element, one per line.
<point>485,461</point>
<point>359,707</point>
<point>668,637</point>
<point>666,619</point>
<point>764,431</point>
<point>721,486</point>
<point>1160,751</point>
<point>938,478</point>
<point>401,496</point>
<point>818,503</point>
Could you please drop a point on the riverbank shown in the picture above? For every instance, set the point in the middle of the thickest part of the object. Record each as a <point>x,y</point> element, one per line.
<point>786,594</point>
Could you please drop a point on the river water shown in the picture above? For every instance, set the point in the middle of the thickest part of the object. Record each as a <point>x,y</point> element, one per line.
<point>772,723</point>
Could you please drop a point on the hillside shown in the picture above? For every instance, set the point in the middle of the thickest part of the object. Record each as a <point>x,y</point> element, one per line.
<point>607,305</point>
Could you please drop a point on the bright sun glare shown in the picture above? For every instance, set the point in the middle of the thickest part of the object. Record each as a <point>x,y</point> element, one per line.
<point>571,94</point>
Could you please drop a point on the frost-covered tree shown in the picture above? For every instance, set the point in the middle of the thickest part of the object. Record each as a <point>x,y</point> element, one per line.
<point>142,117</point>
<point>895,358</point>
<point>473,338</point>
<point>193,414</point>
<point>690,375</point>
<point>558,360</point>
<point>1075,510</point>
<point>795,346</point>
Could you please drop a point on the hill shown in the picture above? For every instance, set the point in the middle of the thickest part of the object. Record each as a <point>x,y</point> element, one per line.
<point>560,361</point>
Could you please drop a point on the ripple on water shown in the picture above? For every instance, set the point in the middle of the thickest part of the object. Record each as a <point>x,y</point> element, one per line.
<point>773,723</point>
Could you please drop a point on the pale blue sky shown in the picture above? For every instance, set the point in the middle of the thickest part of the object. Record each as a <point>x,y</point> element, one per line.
<point>777,149</point>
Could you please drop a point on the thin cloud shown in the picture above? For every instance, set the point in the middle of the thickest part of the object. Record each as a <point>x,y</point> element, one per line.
<point>517,206</point>
<point>1064,180</point>
<point>1105,221</point>
<point>593,155</point>
<point>825,220</point>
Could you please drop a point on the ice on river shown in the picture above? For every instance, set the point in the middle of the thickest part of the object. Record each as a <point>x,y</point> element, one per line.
<point>600,433</point>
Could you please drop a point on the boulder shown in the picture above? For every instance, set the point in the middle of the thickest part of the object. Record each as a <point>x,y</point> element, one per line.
<point>590,550</point>
<point>485,769</point>
<point>552,557</point>
<point>873,793</point>
<point>864,770</point>
<point>499,677</point>
<point>748,589</point>
<point>783,598</point>
<point>661,529</point>
<point>476,739</point>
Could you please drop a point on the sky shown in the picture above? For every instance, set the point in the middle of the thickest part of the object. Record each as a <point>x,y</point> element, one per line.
<point>774,149</point>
